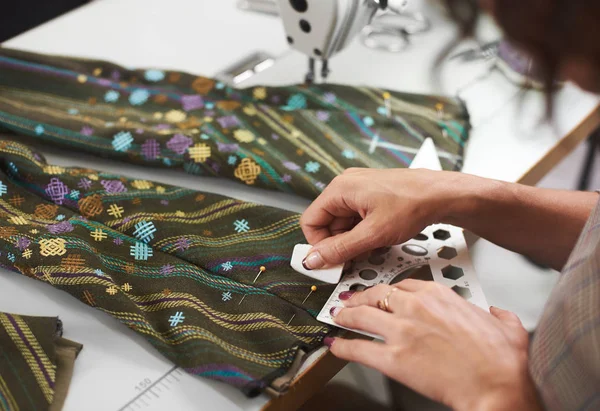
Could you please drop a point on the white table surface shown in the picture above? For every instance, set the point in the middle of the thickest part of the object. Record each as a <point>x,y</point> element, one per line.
<point>203,37</point>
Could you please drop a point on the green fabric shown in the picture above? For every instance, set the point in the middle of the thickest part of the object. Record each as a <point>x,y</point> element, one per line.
<point>179,266</point>
<point>151,255</point>
<point>293,139</point>
<point>35,363</point>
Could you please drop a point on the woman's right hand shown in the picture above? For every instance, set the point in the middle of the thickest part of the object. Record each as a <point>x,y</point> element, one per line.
<point>365,209</point>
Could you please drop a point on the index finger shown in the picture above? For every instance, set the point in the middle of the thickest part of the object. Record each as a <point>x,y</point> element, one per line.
<point>315,221</point>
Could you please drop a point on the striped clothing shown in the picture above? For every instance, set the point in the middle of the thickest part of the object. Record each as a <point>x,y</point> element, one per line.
<point>565,353</point>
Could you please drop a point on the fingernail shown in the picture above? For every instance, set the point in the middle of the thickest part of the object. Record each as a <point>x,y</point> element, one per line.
<point>328,341</point>
<point>335,311</point>
<point>313,261</point>
<point>346,295</point>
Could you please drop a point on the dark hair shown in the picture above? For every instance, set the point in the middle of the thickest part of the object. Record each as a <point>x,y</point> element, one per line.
<point>548,30</point>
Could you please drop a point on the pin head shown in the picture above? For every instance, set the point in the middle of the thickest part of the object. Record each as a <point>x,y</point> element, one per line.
<point>263,268</point>
<point>313,288</point>
<point>387,95</point>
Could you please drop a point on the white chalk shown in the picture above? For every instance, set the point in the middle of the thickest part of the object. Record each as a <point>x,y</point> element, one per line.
<point>331,275</point>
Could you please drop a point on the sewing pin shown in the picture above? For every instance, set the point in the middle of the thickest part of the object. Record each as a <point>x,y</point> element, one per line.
<point>261,270</point>
<point>312,290</point>
<point>387,99</point>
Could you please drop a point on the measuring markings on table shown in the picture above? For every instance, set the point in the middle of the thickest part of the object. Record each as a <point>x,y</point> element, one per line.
<point>144,397</point>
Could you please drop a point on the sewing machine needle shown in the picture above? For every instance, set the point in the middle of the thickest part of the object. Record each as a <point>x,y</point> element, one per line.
<point>325,70</point>
<point>310,76</point>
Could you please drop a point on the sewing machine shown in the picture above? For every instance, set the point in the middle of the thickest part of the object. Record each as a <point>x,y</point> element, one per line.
<point>322,28</point>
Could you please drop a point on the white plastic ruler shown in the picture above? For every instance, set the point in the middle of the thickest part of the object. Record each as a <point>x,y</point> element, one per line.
<point>438,254</point>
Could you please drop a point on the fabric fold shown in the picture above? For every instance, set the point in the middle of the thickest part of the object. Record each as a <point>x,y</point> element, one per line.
<point>294,139</point>
<point>36,363</point>
<point>177,266</point>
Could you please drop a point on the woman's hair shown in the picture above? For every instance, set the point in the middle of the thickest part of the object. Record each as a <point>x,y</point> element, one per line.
<point>550,31</point>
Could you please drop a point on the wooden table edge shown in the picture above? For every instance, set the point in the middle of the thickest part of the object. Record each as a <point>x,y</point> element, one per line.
<point>562,148</point>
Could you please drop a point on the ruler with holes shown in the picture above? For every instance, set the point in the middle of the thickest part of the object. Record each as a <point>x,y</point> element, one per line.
<point>438,254</point>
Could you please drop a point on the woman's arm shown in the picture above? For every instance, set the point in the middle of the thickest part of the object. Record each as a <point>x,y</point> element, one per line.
<point>365,209</point>
<point>540,223</point>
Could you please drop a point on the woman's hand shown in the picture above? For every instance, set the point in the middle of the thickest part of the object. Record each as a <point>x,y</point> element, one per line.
<point>364,209</point>
<point>440,345</point>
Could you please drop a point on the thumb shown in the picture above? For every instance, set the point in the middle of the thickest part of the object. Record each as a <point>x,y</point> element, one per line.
<point>343,247</point>
<point>506,317</point>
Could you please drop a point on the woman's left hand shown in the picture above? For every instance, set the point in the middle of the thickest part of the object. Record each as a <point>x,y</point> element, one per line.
<point>440,345</point>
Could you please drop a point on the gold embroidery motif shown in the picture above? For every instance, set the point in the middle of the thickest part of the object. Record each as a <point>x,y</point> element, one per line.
<point>54,170</point>
<point>142,184</point>
<point>52,246</point>
<point>260,93</point>
<point>248,171</point>
<point>115,211</point>
<point>45,211</point>
<point>91,206</point>
<point>244,136</point>
<point>199,153</point>
<point>18,220</point>
<point>175,116</point>
<point>72,263</point>
<point>203,85</point>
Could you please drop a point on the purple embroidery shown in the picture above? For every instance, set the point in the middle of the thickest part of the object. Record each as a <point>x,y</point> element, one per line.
<point>329,98</point>
<point>115,75</point>
<point>322,115</point>
<point>118,241</point>
<point>104,82</point>
<point>84,184</point>
<point>151,149</point>
<point>167,269</point>
<point>275,136</point>
<point>192,102</point>
<point>286,178</point>
<point>228,148</point>
<point>229,121</point>
<point>87,131</point>
<point>113,186</point>
<point>23,243</point>
<point>182,244</point>
<point>164,202</point>
<point>179,143</point>
<point>291,166</point>
<point>57,190</point>
<point>61,228</point>
<point>162,127</point>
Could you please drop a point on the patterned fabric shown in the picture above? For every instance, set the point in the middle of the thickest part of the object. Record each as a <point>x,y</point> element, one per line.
<point>292,139</point>
<point>175,265</point>
<point>29,363</point>
<point>565,353</point>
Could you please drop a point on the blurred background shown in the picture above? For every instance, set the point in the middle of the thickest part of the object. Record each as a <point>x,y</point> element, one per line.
<point>528,284</point>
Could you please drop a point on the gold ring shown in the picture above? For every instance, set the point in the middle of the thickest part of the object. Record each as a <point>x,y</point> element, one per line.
<point>385,303</point>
